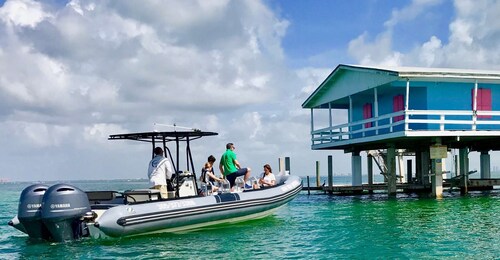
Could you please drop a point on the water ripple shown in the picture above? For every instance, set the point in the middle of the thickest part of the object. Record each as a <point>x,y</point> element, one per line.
<point>316,226</point>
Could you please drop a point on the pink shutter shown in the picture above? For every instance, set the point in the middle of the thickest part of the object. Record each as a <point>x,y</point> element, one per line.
<point>484,101</point>
<point>367,113</point>
<point>398,105</point>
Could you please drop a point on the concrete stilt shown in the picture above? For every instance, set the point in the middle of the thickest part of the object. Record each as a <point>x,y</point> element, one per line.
<point>437,168</point>
<point>369,165</point>
<point>463,155</point>
<point>391,171</point>
<point>356,169</point>
<point>401,171</point>
<point>437,178</point>
<point>485,165</point>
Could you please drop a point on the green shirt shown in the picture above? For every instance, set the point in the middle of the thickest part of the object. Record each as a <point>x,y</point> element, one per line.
<point>227,161</point>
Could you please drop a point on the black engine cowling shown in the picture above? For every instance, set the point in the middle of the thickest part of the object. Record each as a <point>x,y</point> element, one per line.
<point>29,211</point>
<point>62,211</point>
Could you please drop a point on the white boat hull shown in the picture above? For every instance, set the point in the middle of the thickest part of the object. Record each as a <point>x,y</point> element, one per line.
<point>193,213</point>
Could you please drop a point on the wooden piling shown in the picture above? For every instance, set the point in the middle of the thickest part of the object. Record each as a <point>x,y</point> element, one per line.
<point>318,181</point>
<point>409,171</point>
<point>330,171</point>
<point>308,187</point>
<point>287,164</point>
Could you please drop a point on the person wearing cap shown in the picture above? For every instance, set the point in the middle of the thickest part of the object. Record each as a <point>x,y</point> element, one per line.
<point>160,169</point>
<point>230,167</point>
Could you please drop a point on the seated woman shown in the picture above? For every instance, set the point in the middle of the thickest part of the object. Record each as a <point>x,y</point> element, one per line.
<point>268,179</point>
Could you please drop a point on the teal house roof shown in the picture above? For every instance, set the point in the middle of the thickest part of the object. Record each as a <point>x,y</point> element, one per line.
<point>346,80</point>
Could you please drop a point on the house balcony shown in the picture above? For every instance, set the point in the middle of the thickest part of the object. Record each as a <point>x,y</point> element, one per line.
<point>413,127</point>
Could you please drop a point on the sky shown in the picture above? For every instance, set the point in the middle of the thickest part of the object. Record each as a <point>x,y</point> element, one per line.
<point>74,72</point>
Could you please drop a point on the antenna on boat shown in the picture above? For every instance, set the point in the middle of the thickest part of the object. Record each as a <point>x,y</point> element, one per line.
<point>175,126</point>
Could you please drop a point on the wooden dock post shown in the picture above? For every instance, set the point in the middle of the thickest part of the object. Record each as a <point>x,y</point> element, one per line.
<point>409,171</point>
<point>418,166</point>
<point>391,170</point>
<point>287,164</point>
<point>330,172</point>
<point>463,154</point>
<point>308,186</point>
<point>425,160</point>
<point>318,181</point>
<point>455,162</point>
<point>369,163</point>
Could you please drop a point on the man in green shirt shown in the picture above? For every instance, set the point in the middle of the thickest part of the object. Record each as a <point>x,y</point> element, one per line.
<point>230,167</point>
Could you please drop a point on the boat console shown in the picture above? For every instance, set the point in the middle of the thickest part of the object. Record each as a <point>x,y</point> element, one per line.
<point>187,184</point>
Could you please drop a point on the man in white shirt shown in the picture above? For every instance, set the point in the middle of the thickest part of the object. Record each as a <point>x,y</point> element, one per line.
<point>160,169</point>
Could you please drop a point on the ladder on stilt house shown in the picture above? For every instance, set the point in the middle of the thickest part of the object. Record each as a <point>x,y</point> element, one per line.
<point>380,158</point>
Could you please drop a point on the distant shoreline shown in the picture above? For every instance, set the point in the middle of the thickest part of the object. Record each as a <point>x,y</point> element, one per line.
<point>77,181</point>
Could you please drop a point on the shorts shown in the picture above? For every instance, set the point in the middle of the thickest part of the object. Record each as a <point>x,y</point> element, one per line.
<point>232,176</point>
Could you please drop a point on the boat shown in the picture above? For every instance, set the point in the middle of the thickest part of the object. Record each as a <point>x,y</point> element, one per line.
<point>63,212</point>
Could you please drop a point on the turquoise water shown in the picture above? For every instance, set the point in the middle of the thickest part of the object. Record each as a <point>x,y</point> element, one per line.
<point>315,226</point>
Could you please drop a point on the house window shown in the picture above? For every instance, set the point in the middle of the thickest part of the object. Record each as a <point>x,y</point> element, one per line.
<point>483,101</point>
<point>398,105</point>
<point>367,113</point>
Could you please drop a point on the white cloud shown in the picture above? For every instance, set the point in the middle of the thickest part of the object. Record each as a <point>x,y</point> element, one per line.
<point>470,44</point>
<point>410,12</point>
<point>430,52</point>
<point>312,78</point>
<point>378,52</point>
<point>98,133</point>
<point>73,74</point>
<point>22,13</point>
<point>35,135</point>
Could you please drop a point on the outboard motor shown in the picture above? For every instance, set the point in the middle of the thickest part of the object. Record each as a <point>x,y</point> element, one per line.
<point>29,211</point>
<point>63,209</point>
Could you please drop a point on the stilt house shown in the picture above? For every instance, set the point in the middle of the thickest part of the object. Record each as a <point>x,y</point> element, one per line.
<point>425,111</point>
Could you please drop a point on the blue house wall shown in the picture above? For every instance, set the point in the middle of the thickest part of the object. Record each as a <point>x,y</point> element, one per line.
<point>458,96</point>
<point>418,100</point>
<point>425,96</point>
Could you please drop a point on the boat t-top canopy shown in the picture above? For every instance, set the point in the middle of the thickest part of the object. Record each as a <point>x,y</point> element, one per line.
<point>156,138</point>
<point>163,136</point>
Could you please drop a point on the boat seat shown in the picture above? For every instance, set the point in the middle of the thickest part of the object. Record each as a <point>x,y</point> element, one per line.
<point>141,195</point>
<point>97,197</point>
<point>280,179</point>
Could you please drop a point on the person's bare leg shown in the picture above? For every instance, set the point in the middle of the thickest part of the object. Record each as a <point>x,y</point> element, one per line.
<point>247,175</point>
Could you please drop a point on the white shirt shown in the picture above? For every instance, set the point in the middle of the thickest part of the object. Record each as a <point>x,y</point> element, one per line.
<point>269,178</point>
<point>160,169</point>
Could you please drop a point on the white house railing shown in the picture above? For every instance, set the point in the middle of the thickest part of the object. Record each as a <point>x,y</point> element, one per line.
<point>413,120</point>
